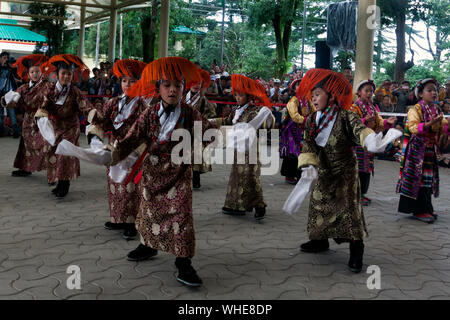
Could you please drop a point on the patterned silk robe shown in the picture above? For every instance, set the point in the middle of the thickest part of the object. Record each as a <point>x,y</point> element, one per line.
<point>33,148</point>
<point>123,199</point>
<point>335,209</point>
<point>164,219</point>
<point>244,186</point>
<point>65,119</point>
<point>207,110</point>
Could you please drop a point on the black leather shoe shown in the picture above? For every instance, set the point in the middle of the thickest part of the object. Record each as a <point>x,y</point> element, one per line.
<point>129,233</point>
<point>260,213</point>
<point>114,226</point>
<point>20,173</point>
<point>355,262</point>
<point>141,253</point>
<point>315,246</point>
<point>62,189</point>
<point>186,273</point>
<point>233,212</point>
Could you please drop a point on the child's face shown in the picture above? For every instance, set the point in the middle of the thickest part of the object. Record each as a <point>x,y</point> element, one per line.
<point>65,76</point>
<point>386,101</point>
<point>241,98</point>
<point>127,83</point>
<point>34,73</point>
<point>320,98</point>
<point>429,93</point>
<point>171,91</point>
<point>366,93</point>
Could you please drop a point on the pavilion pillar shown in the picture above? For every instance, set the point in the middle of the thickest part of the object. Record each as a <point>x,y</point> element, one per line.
<point>112,32</point>
<point>163,46</point>
<point>82,32</point>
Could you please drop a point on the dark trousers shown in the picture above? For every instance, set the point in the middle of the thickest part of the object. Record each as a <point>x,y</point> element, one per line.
<point>364,179</point>
<point>289,167</point>
<point>421,205</point>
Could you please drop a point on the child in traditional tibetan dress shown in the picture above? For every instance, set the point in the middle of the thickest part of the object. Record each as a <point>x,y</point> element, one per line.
<point>244,191</point>
<point>195,97</point>
<point>63,104</point>
<point>419,170</point>
<point>368,111</point>
<point>31,156</point>
<point>164,219</point>
<point>331,132</point>
<point>291,142</point>
<point>115,120</point>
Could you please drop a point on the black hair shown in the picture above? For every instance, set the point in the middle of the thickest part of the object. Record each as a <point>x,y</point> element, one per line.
<point>4,53</point>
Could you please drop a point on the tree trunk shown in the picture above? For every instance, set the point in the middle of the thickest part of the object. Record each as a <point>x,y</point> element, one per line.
<point>281,60</point>
<point>400,68</point>
<point>148,27</point>
<point>438,44</point>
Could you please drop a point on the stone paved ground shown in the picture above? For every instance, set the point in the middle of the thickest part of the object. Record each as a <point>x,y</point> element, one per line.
<point>237,258</point>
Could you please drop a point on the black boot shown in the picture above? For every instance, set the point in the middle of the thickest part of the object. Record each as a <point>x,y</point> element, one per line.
<point>233,212</point>
<point>129,232</point>
<point>114,226</point>
<point>62,189</point>
<point>355,262</point>
<point>315,246</point>
<point>196,179</point>
<point>186,273</point>
<point>20,173</point>
<point>260,213</point>
<point>141,253</point>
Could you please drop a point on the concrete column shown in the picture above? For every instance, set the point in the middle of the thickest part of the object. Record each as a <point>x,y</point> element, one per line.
<point>82,30</point>
<point>364,41</point>
<point>112,32</point>
<point>163,46</point>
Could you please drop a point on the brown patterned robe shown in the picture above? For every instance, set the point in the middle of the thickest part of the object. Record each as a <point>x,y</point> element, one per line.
<point>33,148</point>
<point>123,199</point>
<point>335,209</point>
<point>244,186</point>
<point>66,123</point>
<point>164,217</point>
<point>207,110</point>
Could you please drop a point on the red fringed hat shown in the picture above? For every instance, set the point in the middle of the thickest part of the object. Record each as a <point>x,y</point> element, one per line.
<point>332,82</point>
<point>24,63</point>
<point>206,80</point>
<point>128,68</point>
<point>240,83</point>
<point>66,61</point>
<point>170,68</point>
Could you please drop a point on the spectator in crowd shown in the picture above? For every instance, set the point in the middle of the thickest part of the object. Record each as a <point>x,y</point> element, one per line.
<point>275,90</point>
<point>384,89</point>
<point>348,74</point>
<point>445,106</point>
<point>445,93</point>
<point>7,83</point>
<point>402,94</point>
<point>386,105</point>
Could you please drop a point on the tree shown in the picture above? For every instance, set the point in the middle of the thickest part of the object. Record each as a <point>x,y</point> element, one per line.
<point>148,28</point>
<point>280,14</point>
<point>52,29</point>
<point>394,12</point>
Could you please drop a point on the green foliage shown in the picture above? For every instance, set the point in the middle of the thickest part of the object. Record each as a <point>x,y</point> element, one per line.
<point>429,69</point>
<point>52,29</point>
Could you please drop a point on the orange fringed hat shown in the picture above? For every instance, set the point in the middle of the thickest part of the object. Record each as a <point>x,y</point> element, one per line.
<point>70,61</point>
<point>170,68</point>
<point>246,85</point>
<point>332,82</point>
<point>206,80</point>
<point>24,63</point>
<point>128,68</point>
